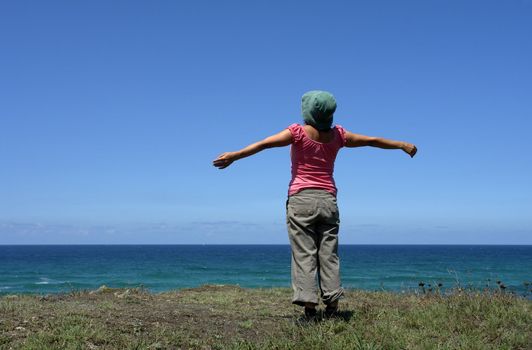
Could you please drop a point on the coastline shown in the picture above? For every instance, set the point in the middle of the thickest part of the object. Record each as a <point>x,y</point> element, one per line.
<point>52,269</point>
<point>228,316</point>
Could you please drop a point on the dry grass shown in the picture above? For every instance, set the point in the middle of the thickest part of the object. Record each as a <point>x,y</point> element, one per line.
<point>219,317</point>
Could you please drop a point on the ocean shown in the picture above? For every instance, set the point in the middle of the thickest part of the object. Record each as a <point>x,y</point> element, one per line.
<point>44,269</point>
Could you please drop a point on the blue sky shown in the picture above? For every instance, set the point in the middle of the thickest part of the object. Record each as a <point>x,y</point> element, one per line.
<point>112,111</point>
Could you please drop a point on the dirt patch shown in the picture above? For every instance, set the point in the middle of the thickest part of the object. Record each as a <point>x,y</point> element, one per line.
<point>215,314</point>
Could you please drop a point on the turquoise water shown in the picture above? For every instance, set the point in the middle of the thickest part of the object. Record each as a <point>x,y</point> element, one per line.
<point>62,268</point>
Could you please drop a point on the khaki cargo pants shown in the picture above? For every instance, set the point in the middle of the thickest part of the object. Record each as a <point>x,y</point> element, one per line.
<point>313,221</point>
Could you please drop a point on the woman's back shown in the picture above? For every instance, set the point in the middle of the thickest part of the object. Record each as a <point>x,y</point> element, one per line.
<point>318,136</point>
<point>313,154</point>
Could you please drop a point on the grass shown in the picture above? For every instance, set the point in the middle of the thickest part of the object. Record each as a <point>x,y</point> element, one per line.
<point>230,317</point>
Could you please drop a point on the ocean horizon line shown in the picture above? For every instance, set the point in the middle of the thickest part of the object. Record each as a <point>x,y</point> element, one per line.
<point>261,244</point>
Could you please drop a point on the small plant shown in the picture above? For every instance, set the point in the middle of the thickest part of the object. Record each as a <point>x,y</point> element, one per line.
<point>528,289</point>
<point>247,324</point>
<point>422,285</point>
<point>501,285</point>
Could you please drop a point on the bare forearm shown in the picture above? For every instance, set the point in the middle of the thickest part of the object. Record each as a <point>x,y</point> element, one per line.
<point>358,140</point>
<point>379,142</point>
<point>249,150</point>
<point>385,143</point>
<point>284,138</point>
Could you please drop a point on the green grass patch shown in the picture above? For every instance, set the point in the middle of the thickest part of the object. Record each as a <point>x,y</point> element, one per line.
<point>229,317</point>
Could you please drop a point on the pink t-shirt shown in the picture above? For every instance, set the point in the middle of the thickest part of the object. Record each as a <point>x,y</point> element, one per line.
<point>313,161</point>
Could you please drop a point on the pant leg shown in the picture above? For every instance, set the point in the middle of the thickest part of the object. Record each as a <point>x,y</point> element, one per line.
<point>300,217</point>
<point>329,262</point>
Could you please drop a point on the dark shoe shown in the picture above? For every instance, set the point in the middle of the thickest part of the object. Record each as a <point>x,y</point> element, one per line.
<point>310,313</point>
<point>330,311</point>
<point>310,317</point>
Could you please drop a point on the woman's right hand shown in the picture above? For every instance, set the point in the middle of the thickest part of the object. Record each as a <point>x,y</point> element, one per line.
<point>410,149</point>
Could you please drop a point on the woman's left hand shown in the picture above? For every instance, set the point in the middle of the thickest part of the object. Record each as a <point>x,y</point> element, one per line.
<point>224,160</point>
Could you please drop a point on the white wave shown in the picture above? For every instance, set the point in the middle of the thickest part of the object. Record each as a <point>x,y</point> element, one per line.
<point>46,280</point>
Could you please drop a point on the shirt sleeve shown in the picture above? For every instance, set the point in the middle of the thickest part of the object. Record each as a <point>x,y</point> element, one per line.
<point>343,138</point>
<point>297,132</point>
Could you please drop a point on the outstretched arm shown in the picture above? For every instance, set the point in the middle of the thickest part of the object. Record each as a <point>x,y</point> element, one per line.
<point>284,138</point>
<point>357,140</point>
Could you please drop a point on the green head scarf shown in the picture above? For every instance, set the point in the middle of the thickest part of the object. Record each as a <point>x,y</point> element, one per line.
<point>317,108</point>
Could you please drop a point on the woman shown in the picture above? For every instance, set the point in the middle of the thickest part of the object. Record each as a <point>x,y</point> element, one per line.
<point>311,210</point>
